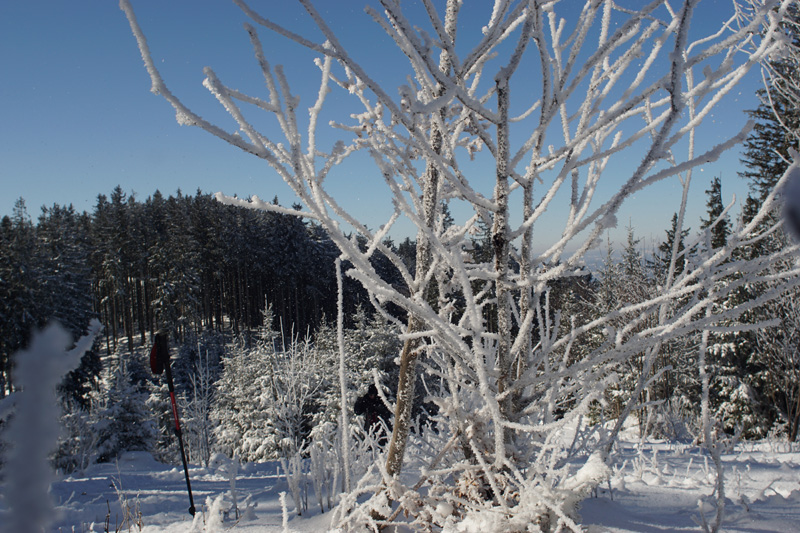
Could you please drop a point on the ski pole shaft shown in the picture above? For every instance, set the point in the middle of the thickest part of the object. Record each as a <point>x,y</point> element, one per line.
<point>186,472</point>
<point>179,434</point>
<point>159,361</point>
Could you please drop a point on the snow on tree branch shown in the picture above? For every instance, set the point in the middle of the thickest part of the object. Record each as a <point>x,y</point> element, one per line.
<point>613,85</point>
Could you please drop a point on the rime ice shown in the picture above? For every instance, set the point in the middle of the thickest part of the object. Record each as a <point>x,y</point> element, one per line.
<point>34,428</point>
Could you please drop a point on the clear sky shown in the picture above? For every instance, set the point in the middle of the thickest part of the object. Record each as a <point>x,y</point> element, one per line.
<point>77,117</point>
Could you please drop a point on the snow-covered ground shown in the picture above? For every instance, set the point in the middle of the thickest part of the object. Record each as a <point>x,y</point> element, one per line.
<point>655,488</point>
<point>660,489</point>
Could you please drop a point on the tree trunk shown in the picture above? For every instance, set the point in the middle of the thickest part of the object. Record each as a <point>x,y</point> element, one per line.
<point>411,347</point>
<point>405,399</point>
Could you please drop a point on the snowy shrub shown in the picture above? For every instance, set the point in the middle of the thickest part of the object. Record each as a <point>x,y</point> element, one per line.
<point>672,420</point>
<point>130,508</point>
<point>77,446</point>
<point>228,467</point>
<point>211,518</point>
<point>196,409</point>
<point>265,397</point>
<point>125,423</point>
<point>296,475</point>
<point>325,464</point>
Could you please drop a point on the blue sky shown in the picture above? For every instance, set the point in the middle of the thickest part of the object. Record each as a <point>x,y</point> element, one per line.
<point>77,117</point>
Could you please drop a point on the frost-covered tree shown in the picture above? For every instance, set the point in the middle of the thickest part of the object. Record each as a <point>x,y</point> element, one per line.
<point>370,348</point>
<point>19,272</point>
<point>548,97</point>
<point>241,424</point>
<point>65,285</point>
<point>172,264</point>
<point>717,218</point>
<point>732,399</point>
<point>33,428</point>
<point>766,158</point>
<point>125,422</point>
<point>661,261</point>
<point>44,276</point>
<point>624,281</point>
<point>266,395</point>
<point>777,357</point>
<point>777,118</point>
<point>196,372</point>
<point>77,445</point>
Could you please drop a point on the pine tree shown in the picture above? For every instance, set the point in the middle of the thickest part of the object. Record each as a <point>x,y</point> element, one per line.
<point>242,424</point>
<point>120,259</point>
<point>662,260</point>
<point>608,279</point>
<point>125,424</point>
<point>766,154</point>
<point>267,395</point>
<point>21,304</point>
<point>777,356</point>
<point>766,157</point>
<point>6,311</point>
<point>112,262</point>
<point>715,208</point>
<point>177,291</point>
<point>77,445</point>
<point>407,251</point>
<point>731,399</point>
<point>636,285</point>
<point>201,368</point>
<point>206,225</point>
<point>776,131</point>
<point>66,286</point>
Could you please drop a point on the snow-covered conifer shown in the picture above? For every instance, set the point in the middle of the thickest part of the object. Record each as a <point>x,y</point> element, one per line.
<point>241,425</point>
<point>266,395</point>
<point>125,423</point>
<point>371,346</point>
<point>77,445</point>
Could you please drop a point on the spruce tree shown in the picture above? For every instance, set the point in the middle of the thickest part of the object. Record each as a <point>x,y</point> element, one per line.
<point>126,423</point>
<point>21,305</point>
<point>662,260</point>
<point>766,158</point>
<point>65,285</point>
<point>715,207</point>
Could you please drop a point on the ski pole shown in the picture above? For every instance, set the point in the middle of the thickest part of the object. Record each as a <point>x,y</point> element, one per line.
<point>159,361</point>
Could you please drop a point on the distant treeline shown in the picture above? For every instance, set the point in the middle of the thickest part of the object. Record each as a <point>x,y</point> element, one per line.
<point>184,263</point>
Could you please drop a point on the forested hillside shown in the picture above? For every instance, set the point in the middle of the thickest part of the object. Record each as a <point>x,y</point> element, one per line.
<point>205,272</point>
<point>184,263</point>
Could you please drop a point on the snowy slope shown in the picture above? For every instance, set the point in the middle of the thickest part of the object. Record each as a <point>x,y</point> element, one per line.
<point>655,488</point>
